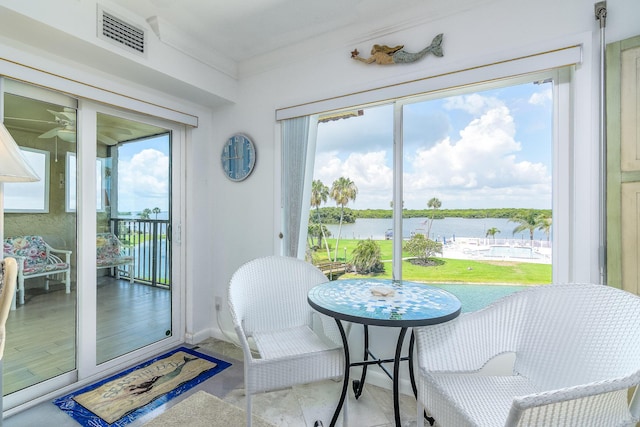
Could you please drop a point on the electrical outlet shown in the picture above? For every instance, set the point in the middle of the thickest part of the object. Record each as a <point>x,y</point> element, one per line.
<point>218,303</point>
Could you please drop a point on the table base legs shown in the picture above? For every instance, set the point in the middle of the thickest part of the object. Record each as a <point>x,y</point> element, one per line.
<point>358,385</point>
<point>345,381</point>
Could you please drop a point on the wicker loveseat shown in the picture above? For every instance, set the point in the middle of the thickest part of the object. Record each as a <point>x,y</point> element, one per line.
<point>36,258</point>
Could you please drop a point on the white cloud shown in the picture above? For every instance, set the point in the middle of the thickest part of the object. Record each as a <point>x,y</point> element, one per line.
<point>474,104</point>
<point>482,167</point>
<point>541,98</point>
<point>367,170</point>
<point>144,181</point>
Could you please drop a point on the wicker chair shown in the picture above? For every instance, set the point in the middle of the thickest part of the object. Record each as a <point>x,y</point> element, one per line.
<point>577,353</point>
<point>8,279</point>
<point>296,345</point>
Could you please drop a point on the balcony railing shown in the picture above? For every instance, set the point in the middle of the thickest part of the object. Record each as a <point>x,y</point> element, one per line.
<point>148,240</point>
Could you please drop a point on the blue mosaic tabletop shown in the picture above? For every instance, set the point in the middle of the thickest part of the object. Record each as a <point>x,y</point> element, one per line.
<point>383,302</point>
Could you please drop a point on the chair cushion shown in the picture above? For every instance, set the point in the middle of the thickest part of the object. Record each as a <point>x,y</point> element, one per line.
<point>289,342</point>
<point>31,269</point>
<point>32,248</point>
<point>120,260</point>
<point>486,399</point>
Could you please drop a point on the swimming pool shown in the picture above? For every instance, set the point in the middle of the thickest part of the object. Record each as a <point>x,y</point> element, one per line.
<point>475,297</point>
<point>500,251</point>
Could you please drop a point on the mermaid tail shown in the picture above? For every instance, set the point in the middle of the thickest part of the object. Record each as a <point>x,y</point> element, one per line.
<point>436,46</point>
<point>403,57</point>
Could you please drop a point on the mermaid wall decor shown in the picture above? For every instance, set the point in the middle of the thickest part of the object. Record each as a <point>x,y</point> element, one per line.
<point>385,55</point>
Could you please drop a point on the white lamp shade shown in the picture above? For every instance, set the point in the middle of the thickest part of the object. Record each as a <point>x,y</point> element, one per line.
<point>13,166</point>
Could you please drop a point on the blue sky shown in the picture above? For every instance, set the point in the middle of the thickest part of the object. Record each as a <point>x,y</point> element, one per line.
<point>143,169</point>
<point>488,149</point>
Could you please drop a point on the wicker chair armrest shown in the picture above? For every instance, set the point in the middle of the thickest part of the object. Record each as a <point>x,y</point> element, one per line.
<point>576,392</point>
<point>466,343</point>
<point>326,327</point>
<point>589,400</point>
<point>244,342</point>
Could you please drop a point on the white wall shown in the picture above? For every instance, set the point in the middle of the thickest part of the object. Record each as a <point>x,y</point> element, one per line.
<point>231,223</point>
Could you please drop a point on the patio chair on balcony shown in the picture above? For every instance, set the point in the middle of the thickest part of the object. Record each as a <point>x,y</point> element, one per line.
<point>296,345</point>
<point>577,354</point>
<point>111,253</point>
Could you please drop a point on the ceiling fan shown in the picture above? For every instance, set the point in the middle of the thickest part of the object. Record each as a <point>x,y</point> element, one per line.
<point>65,128</point>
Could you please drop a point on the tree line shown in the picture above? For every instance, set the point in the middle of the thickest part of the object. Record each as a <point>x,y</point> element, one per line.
<point>146,213</point>
<point>331,215</point>
<point>343,190</point>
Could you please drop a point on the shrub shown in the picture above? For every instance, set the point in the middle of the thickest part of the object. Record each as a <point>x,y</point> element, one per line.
<point>366,257</point>
<point>421,247</point>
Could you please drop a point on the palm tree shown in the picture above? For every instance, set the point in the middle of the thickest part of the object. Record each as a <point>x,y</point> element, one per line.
<point>145,214</point>
<point>156,211</point>
<point>435,204</point>
<point>319,195</point>
<point>527,220</point>
<point>545,224</point>
<point>343,190</point>
<point>492,232</point>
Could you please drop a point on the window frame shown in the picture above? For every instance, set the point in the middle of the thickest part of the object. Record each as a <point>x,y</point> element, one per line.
<point>71,183</point>
<point>561,161</point>
<point>44,184</point>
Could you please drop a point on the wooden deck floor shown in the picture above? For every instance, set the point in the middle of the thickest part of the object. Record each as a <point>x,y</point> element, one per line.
<point>41,334</point>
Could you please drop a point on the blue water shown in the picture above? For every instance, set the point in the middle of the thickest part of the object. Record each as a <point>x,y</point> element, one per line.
<point>475,297</point>
<point>142,254</point>
<point>447,228</point>
<point>510,252</point>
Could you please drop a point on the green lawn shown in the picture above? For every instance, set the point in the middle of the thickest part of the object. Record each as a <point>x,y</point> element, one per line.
<point>451,270</point>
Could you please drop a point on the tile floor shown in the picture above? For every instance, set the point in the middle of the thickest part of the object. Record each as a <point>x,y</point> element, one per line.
<point>298,406</point>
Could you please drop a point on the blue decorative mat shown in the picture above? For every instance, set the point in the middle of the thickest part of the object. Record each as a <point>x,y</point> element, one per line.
<point>118,400</point>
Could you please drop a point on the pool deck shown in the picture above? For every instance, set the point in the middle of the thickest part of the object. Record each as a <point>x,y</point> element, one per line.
<point>464,248</point>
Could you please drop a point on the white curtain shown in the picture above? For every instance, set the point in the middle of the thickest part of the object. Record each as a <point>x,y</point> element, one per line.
<point>298,153</point>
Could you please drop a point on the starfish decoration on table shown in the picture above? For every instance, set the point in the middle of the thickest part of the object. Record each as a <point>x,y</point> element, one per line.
<point>354,53</point>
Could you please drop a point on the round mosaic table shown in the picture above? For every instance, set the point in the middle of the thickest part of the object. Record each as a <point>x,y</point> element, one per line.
<point>380,302</point>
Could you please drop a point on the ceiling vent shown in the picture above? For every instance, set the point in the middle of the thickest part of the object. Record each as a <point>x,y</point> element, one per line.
<point>120,32</point>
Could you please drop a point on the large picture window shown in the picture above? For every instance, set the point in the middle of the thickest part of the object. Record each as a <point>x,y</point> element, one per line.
<point>30,197</point>
<point>451,187</point>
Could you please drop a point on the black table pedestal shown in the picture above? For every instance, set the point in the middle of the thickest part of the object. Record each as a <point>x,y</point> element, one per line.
<point>358,385</point>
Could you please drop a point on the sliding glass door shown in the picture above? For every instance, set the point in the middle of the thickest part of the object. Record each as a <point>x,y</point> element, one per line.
<point>40,231</point>
<point>102,220</point>
<point>133,179</point>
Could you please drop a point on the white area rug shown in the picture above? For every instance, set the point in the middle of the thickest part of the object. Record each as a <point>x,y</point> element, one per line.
<point>202,409</point>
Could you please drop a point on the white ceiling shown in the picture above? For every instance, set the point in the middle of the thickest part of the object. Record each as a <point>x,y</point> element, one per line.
<point>242,29</point>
